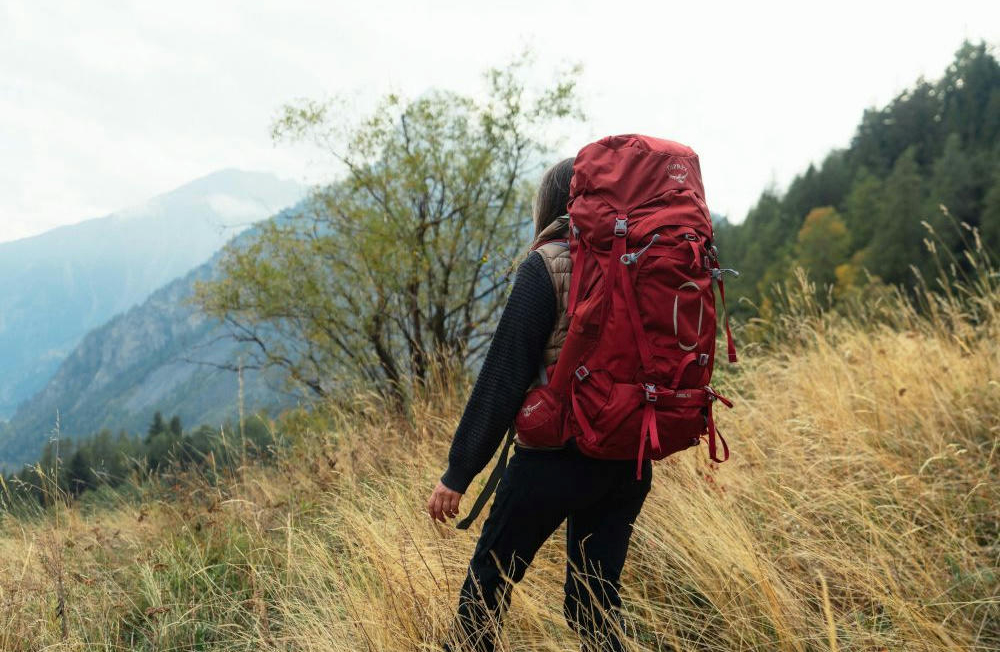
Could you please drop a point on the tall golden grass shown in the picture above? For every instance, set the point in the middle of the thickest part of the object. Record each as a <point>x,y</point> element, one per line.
<point>859,512</point>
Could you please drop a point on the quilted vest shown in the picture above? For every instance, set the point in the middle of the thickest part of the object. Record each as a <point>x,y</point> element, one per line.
<point>558,263</point>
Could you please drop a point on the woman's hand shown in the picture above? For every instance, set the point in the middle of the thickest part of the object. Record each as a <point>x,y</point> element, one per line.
<point>443,502</point>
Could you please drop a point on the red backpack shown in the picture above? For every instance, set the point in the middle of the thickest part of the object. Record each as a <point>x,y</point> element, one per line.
<point>632,379</point>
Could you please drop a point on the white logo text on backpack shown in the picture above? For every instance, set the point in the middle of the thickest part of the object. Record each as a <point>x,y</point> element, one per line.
<point>528,409</point>
<point>677,172</point>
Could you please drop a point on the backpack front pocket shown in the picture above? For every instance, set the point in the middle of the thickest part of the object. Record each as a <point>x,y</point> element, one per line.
<point>539,422</point>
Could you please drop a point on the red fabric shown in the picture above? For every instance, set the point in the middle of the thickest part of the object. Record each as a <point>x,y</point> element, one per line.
<point>638,357</point>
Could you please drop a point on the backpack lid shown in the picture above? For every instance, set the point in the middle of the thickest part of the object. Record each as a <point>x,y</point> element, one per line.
<point>624,170</point>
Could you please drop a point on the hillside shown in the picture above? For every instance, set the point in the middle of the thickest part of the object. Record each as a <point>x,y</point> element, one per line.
<point>858,513</point>
<point>157,356</point>
<point>57,286</point>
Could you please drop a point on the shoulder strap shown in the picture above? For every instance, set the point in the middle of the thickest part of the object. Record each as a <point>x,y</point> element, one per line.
<point>491,484</point>
<point>557,230</point>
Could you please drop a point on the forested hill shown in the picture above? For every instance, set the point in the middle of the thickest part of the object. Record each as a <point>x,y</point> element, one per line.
<point>936,144</point>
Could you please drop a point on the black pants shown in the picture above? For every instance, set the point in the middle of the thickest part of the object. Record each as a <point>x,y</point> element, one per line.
<point>600,499</point>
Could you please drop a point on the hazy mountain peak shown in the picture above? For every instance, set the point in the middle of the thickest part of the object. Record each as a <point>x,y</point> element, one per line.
<point>56,286</point>
<point>230,193</point>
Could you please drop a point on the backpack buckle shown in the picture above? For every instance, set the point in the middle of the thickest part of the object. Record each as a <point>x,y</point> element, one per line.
<point>703,360</point>
<point>621,226</point>
<point>714,396</point>
<point>581,373</point>
<point>650,392</point>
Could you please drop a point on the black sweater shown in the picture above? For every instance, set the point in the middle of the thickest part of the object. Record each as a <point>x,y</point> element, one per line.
<point>511,364</point>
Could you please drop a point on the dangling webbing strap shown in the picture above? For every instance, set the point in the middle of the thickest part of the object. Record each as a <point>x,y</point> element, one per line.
<point>712,432</point>
<point>712,435</point>
<point>581,417</point>
<point>491,484</point>
<point>730,343</point>
<point>648,428</point>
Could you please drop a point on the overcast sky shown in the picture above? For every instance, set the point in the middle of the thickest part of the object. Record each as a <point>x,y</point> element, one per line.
<point>104,104</point>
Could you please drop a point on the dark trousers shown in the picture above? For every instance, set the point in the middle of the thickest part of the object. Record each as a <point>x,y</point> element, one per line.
<point>600,499</point>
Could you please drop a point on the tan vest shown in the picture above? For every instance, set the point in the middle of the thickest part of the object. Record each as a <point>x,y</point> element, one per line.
<point>559,265</point>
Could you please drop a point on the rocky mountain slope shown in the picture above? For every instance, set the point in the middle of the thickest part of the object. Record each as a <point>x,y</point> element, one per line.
<point>57,286</point>
<point>162,355</point>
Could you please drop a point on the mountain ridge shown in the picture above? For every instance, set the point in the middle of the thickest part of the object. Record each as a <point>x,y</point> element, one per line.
<point>161,355</point>
<point>60,284</point>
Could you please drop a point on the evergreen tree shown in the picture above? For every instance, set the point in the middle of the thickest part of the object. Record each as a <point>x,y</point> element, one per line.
<point>80,473</point>
<point>990,224</point>
<point>156,427</point>
<point>936,143</point>
<point>956,182</point>
<point>898,240</point>
<point>970,92</point>
<point>861,208</point>
<point>769,224</point>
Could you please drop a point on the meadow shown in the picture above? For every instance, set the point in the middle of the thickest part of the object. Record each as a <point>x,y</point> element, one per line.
<point>858,512</point>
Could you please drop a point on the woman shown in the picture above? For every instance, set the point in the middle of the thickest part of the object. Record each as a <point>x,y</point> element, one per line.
<point>540,488</point>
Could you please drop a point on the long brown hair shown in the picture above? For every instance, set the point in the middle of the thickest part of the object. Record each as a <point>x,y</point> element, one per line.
<point>553,194</point>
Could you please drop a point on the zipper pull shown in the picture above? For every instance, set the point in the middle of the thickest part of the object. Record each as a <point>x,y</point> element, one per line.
<point>629,259</point>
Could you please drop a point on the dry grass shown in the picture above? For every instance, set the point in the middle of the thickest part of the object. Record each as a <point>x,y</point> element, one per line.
<point>859,512</point>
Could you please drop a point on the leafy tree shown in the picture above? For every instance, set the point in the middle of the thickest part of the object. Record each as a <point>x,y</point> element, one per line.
<point>822,244</point>
<point>400,265</point>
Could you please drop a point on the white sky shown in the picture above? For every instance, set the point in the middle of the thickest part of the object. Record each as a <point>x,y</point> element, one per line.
<point>106,103</point>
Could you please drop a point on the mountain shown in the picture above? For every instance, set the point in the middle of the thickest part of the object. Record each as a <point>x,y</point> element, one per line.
<point>161,355</point>
<point>56,286</point>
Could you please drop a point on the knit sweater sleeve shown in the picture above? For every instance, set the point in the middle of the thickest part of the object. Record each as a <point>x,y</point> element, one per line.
<point>511,363</point>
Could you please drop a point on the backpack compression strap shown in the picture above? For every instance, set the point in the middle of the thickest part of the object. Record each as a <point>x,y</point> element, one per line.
<point>491,484</point>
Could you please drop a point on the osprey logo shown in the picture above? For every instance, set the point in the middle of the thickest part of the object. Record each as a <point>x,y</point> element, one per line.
<point>677,172</point>
<point>528,409</point>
